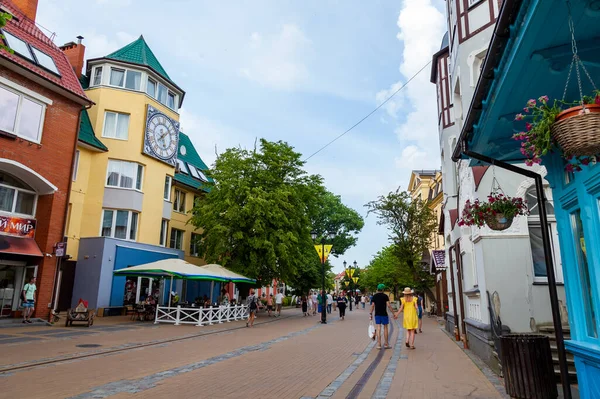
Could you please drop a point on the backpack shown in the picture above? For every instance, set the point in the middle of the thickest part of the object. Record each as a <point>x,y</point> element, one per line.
<point>253,304</point>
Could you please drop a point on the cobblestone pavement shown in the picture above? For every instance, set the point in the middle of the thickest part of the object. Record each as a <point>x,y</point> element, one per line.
<point>288,357</point>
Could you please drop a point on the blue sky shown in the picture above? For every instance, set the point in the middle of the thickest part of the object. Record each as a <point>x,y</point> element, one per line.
<point>302,72</point>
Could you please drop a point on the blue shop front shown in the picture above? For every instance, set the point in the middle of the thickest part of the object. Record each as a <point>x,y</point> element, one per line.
<point>531,56</point>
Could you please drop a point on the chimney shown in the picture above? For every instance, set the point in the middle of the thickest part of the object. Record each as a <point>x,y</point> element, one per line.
<point>75,52</point>
<point>27,7</point>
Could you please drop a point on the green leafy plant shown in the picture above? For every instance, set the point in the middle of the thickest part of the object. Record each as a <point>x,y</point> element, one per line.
<point>477,213</point>
<point>4,18</point>
<point>536,140</point>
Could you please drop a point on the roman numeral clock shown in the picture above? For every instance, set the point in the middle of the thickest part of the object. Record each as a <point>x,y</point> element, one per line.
<point>161,136</point>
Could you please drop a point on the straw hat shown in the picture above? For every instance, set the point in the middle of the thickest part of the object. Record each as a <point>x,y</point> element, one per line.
<point>407,291</point>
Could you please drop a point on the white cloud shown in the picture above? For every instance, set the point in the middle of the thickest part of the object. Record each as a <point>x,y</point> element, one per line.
<point>99,45</point>
<point>277,61</point>
<point>396,103</point>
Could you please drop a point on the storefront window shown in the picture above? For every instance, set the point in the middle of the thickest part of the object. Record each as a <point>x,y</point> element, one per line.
<point>584,275</point>
<point>16,196</point>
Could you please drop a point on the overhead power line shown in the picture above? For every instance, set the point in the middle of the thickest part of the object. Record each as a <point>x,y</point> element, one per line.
<point>369,114</point>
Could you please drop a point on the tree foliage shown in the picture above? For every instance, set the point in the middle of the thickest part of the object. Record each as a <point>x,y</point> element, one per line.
<point>412,225</point>
<point>259,212</point>
<point>4,18</point>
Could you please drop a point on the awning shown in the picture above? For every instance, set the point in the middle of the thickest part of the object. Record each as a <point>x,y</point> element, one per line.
<point>19,246</point>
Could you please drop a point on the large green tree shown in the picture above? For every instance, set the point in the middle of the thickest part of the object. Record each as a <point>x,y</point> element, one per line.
<point>411,224</point>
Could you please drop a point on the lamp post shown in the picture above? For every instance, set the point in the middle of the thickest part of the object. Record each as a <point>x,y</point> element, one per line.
<point>330,236</point>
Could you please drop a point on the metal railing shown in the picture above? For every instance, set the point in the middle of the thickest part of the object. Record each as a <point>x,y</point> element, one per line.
<point>200,316</point>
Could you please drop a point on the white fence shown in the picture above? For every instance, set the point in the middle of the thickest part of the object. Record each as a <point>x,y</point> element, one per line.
<point>200,316</point>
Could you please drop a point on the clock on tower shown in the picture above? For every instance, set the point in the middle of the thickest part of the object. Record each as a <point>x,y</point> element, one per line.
<point>161,137</point>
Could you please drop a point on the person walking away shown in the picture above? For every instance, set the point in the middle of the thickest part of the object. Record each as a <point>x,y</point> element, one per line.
<point>279,302</point>
<point>304,306</point>
<point>329,302</point>
<point>28,295</point>
<point>363,300</point>
<point>252,302</point>
<point>420,307</point>
<point>270,304</point>
<point>341,304</point>
<point>410,321</point>
<point>356,300</point>
<point>320,302</point>
<point>381,303</point>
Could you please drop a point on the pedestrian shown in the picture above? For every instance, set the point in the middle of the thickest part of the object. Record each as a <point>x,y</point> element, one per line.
<point>341,304</point>
<point>270,304</point>
<point>315,302</point>
<point>356,300</point>
<point>252,302</point>
<point>304,306</point>
<point>381,303</point>
<point>335,297</point>
<point>410,320</point>
<point>420,307</point>
<point>329,302</point>
<point>279,302</point>
<point>28,295</point>
<point>320,302</point>
<point>309,303</point>
<point>363,300</point>
<point>350,300</point>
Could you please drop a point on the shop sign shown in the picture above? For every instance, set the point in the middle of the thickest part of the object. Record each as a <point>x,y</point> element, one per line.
<point>18,227</point>
<point>60,249</point>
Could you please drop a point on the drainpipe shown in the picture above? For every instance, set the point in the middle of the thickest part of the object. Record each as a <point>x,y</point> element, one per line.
<point>454,307</point>
<point>459,274</point>
<point>539,188</point>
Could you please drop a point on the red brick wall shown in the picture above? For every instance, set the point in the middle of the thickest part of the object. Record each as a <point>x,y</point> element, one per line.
<point>51,159</point>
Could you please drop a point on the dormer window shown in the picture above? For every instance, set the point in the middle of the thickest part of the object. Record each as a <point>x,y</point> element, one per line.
<point>161,93</point>
<point>125,78</point>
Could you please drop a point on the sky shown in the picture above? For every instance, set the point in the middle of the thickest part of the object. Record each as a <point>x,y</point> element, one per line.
<point>298,71</point>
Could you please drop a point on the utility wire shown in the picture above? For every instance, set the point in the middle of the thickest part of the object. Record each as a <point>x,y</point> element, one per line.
<point>370,113</point>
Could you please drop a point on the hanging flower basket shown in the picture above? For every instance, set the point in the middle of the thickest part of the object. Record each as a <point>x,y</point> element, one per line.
<point>497,213</point>
<point>577,130</point>
<point>498,221</point>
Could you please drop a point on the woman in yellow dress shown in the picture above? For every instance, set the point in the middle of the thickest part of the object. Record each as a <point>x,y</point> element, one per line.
<point>411,319</point>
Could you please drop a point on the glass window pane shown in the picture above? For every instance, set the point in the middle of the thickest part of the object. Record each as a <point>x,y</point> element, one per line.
<point>586,293</point>
<point>7,196</point>
<point>29,119</point>
<point>193,171</point>
<point>162,94</point>
<point>167,190</point>
<point>173,241</point>
<point>133,80</point>
<point>121,224</point>
<point>18,45</point>
<point>45,60</point>
<point>171,100</point>
<point>117,76</point>
<point>151,88</point>
<point>25,202</point>
<point>128,174</point>
<point>97,76</point>
<point>182,202</point>
<point>182,167</point>
<point>9,102</point>
<point>140,174</point>
<point>133,226</point>
<point>122,127</point>
<point>202,175</point>
<point>163,232</point>
<point>537,251</point>
<point>110,123</point>
<point>114,171</point>
<point>107,223</point>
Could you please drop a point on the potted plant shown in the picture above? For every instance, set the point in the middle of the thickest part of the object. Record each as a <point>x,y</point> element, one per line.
<point>572,127</point>
<point>498,212</point>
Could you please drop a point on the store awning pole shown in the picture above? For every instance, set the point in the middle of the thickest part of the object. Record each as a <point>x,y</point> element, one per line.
<point>170,291</point>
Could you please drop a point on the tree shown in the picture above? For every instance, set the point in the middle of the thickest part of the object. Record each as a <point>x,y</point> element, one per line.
<point>412,225</point>
<point>385,268</point>
<point>255,217</point>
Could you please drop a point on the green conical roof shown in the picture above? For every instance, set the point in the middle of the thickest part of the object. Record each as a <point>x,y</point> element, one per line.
<point>138,52</point>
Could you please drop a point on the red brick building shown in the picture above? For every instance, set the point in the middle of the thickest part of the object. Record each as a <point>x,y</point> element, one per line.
<point>41,101</point>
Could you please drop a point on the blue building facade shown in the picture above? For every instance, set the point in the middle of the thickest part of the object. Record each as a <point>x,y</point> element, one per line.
<point>529,57</point>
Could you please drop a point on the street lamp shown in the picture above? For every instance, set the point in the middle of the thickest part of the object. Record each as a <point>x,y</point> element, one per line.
<point>350,273</point>
<point>330,236</point>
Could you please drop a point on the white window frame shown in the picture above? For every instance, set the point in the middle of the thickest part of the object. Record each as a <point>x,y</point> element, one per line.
<point>170,179</point>
<point>177,203</point>
<point>116,123</point>
<point>75,165</point>
<point>135,180</point>
<point>15,89</point>
<point>194,244</point>
<point>14,203</point>
<point>156,97</point>
<point>94,73</point>
<point>182,232</point>
<point>114,221</point>
<point>165,233</point>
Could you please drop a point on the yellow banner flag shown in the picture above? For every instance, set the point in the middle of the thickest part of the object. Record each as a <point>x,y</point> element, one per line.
<point>355,279</point>
<point>319,248</point>
<point>350,272</point>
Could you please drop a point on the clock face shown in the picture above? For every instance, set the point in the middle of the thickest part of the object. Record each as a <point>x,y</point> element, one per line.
<point>161,136</point>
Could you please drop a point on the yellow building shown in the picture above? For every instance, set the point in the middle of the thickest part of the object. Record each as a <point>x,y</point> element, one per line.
<point>135,179</point>
<point>427,186</point>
